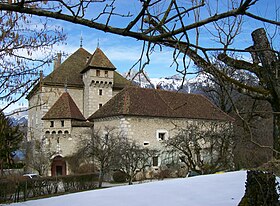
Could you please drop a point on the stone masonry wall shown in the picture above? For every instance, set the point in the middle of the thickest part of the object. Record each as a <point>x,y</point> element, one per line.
<point>41,102</point>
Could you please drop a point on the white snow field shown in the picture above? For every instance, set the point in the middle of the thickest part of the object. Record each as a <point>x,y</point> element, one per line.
<point>225,189</point>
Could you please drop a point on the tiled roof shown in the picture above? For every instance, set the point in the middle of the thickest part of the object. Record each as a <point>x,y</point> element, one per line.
<point>99,60</point>
<point>135,101</point>
<point>69,72</point>
<point>64,108</point>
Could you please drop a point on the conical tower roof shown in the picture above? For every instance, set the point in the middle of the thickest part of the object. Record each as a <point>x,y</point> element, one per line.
<point>64,108</point>
<point>99,61</point>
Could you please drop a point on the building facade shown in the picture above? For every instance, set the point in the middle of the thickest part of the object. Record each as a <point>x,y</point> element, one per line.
<point>61,102</point>
<point>86,91</point>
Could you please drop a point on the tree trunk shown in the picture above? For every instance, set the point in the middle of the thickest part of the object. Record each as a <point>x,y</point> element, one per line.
<point>130,180</point>
<point>101,177</point>
<point>270,77</point>
<point>276,132</point>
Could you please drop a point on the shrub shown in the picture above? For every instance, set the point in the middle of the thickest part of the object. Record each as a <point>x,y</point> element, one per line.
<point>120,176</point>
<point>73,183</point>
<point>21,188</point>
<point>163,173</point>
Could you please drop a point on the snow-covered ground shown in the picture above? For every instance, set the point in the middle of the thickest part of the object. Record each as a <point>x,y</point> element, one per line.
<point>212,190</point>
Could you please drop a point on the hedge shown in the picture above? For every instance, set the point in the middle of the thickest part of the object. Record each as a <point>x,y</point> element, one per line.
<point>14,189</point>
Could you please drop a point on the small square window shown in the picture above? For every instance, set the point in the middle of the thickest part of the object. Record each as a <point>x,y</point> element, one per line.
<point>62,123</point>
<point>52,124</point>
<point>161,135</point>
<point>106,73</point>
<point>98,73</point>
<point>100,92</point>
<point>146,143</point>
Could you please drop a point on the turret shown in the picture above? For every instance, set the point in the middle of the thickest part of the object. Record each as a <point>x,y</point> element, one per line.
<point>98,78</point>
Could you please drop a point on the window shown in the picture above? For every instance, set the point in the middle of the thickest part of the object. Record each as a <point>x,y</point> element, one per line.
<point>62,123</point>
<point>161,134</point>
<point>146,143</point>
<point>100,91</point>
<point>98,73</point>
<point>100,105</point>
<point>52,124</point>
<point>155,161</point>
<point>106,73</point>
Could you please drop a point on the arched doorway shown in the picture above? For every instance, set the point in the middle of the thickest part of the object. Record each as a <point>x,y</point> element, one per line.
<point>58,166</point>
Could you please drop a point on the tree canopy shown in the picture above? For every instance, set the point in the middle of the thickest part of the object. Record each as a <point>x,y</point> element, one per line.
<point>10,139</point>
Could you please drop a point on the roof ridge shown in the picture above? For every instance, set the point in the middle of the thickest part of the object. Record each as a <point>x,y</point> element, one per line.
<point>136,101</point>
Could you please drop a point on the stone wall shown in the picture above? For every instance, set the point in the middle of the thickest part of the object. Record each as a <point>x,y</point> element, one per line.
<point>66,144</point>
<point>144,130</point>
<point>98,90</point>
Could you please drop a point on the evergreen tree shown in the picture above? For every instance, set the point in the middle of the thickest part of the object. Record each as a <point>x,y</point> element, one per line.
<point>10,139</point>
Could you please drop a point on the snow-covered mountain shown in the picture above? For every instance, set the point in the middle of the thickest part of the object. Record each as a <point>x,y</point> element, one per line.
<point>19,116</point>
<point>172,83</point>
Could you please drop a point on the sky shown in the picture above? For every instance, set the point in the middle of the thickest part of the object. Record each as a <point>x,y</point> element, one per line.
<point>225,189</point>
<point>125,51</point>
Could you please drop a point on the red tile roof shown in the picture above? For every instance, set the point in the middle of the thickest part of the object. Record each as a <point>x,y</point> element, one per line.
<point>64,108</point>
<point>135,101</point>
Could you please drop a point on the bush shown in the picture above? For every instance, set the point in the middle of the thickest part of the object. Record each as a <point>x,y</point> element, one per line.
<point>20,188</point>
<point>120,177</point>
<point>73,183</point>
<point>163,173</point>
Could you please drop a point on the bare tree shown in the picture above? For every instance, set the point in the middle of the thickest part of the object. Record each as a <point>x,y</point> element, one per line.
<point>38,157</point>
<point>168,23</point>
<point>21,43</point>
<point>204,149</point>
<point>102,149</point>
<point>252,125</point>
<point>133,158</point>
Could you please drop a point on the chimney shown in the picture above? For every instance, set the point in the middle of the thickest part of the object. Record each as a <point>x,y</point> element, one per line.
<point>57,61</point>
<point>41,80</point>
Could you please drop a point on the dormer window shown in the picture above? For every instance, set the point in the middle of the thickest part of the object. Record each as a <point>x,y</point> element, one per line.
<point>98,73</point>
